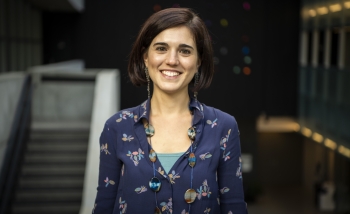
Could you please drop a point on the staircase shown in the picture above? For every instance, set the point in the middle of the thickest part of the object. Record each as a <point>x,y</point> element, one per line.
<point>52,175</point>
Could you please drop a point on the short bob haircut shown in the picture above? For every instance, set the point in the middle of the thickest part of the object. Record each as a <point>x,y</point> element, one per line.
<point>160,21</point>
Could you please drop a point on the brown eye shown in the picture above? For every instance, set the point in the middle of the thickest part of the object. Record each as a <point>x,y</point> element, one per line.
<point>161,49</point>
<point>185,51</point>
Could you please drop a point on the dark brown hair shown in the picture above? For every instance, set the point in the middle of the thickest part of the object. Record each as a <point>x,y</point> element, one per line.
<point>162,20</point>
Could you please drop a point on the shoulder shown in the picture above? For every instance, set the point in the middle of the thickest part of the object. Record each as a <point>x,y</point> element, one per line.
<point>123,118</point>
<point>223,120</point>
<point>211,112</point>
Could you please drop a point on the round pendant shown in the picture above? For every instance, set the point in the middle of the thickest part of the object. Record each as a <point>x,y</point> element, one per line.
<point>157,211</point>
<point>192,159</point>
<point>155,184</point>
<point>152,155</point>
<point>191,133</point>
<point>190,196</point>
<point>149,129</point>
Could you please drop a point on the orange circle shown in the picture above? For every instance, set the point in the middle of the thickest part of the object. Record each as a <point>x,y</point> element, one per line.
<point>247,71</point>
<point>157,7</point>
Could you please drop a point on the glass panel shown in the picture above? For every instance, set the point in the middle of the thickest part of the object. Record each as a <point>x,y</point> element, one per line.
<point>309,48</point>
<point>320,57</point>
<point>335,47</point>
<point>347,49</point>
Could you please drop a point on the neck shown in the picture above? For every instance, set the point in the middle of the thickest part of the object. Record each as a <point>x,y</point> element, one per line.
<point>169,104</point>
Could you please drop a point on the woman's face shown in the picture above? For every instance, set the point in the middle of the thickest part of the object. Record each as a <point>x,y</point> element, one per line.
<point>172,60</point>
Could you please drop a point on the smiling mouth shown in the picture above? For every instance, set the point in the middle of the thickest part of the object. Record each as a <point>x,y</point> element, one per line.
<point>171,73</point>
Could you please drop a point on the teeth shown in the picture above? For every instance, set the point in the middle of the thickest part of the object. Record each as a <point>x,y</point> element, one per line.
<point>171,73</point>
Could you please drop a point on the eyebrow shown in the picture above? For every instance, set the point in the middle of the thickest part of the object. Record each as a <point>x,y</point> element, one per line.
<point>166,44</point>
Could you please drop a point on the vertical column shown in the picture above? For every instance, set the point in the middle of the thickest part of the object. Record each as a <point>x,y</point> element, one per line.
<point>36,37</point>
<point>341,63</point>
<point>21,36</point>
<point>13,26</point>
<point>3,59</point>
<point>327,48</point>
<point>304,39</point>
<point>341,48</point>
<point>327,62</point>
<point>27,29</point>
<point>315,48</point>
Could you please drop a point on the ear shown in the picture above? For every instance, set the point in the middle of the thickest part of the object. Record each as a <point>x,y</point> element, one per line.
<point>145,58</point>
<point>199,63</point>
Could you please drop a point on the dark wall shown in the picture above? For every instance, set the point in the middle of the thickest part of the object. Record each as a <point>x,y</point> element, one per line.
<point>280,159</point>
<point>103,34</point>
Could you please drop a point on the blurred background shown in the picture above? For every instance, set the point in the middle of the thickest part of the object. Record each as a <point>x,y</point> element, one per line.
<point>282,69</point>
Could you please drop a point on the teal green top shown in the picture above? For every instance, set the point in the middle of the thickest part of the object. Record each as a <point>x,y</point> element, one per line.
<point>168,160</point>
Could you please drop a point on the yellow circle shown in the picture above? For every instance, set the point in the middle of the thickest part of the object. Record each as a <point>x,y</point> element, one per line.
<point>224,22</point>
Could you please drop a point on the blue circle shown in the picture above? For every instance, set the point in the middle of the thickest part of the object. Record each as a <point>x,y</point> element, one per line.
<point>246,50</point>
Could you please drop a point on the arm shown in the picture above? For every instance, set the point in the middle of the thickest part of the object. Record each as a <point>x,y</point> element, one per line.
<point>110,168</point>
<point>229,172</point>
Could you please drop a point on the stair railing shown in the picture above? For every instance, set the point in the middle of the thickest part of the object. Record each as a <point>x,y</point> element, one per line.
<point>15,147</point>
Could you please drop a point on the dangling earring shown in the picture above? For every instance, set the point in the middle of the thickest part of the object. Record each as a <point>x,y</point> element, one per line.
<point>196,80</point>
<point>148,82</point>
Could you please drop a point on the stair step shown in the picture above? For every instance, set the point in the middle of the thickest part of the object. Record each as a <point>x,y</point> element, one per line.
<point>48,196</point>
<point>58,136</point>
<point>45,208</point>
<point>51,183</point>
<point>37,147</point>
<point>55,158</point>
<point>50,170</point>
<point>52,174</point>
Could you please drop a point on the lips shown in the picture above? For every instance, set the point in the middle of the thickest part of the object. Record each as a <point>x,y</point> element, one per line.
<point>170,73</point>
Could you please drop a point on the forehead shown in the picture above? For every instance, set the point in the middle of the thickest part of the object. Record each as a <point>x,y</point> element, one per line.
<point>175,35</point>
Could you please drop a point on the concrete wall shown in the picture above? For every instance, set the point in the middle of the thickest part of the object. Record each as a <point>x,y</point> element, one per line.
<point>10,90</point>
<point>63,97</point>
<point>106,103</point>
<point>63,101</point>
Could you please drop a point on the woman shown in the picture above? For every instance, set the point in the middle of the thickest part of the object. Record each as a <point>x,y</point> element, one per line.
<point>171,154</point>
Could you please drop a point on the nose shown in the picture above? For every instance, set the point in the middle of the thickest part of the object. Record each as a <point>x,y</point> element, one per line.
<point>172,58</point>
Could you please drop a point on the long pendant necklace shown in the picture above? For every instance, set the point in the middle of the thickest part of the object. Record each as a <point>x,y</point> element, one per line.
<point>155,184</point>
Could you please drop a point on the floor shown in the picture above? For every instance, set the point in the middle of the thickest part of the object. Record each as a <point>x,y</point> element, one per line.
<point>284,200</point>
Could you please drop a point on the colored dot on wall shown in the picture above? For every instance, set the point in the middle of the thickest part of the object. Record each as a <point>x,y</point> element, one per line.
<point>245,50</point>
<point>247,60</point>
<point>246,6</point>
<point>223,50</point>
<point>157,7</point>
<point>236,69</point>
<point>247,71</point>
<point>224,22</point>
<point>245,38</point>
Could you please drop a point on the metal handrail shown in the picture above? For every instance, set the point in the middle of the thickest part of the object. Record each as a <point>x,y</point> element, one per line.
<point>15,146</point>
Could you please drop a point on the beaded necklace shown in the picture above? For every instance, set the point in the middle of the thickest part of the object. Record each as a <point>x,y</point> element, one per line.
<point>155,184</point>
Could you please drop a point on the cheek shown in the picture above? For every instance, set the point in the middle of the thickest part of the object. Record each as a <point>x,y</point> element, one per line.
<point>191,66</point>
<point>155,60</point>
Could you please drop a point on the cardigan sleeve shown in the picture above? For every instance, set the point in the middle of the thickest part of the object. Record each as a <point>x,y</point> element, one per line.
<point>109,174</point>
<point>230,172</point>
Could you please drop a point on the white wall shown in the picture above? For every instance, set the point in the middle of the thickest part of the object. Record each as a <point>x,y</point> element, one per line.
<point>10,91</point>
<point>106,103</point>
